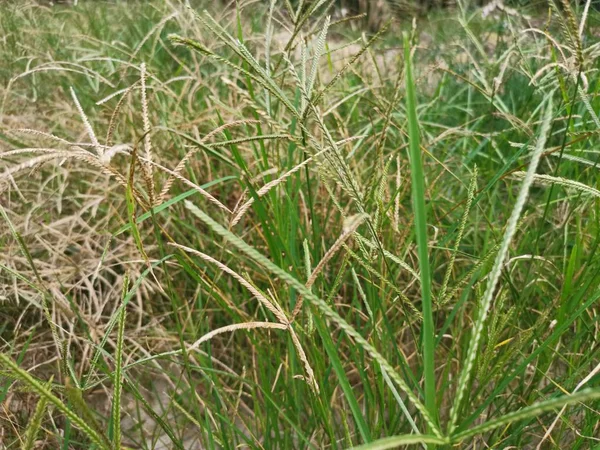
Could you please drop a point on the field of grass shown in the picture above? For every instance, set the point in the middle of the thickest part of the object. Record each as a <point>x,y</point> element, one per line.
<point>263,227</point>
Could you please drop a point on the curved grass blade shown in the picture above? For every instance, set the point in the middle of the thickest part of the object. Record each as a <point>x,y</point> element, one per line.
<point>496,271</point>
<point>529,412</point>
<point>44,392</point>
<point>336,363</point>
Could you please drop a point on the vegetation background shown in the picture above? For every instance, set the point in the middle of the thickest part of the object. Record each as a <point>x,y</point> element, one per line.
<point>282,224</point>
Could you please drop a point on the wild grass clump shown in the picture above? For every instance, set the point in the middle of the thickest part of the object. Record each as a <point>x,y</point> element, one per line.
<point>259,226</point>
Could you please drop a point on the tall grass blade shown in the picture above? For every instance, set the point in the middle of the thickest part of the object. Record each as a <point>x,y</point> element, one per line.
<point>420,212</point>
<point>118,376</point>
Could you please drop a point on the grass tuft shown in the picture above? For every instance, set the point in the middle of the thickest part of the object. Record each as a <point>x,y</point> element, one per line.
<point>264,225</point>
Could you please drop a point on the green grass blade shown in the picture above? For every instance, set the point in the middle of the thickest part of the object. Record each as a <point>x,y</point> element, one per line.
<point>363,429</point>
<point>420,212</point>
<point>157,209</point>
<point>461,228</point>
<point>118,377</point>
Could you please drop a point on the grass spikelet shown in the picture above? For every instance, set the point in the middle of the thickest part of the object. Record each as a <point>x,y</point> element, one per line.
<point>112,124</point>
<point>573,31</point>
<point>464,279</point>
<point>45,393</point>
<point>584,16</point>
<point>564,182</point>
<point>268,84</point>
<point>372,245</point>
<point>35,423</point>
<point>237,326</point>
<point>495,273</point>
<point>397,195</point>
<point>310,375</point>
<point>308,269</point>
<point>568,28</point>
<point>369,268</point>
<point>87,124</point>
<point>348,65</point>
<point>317,53</point>
<point>349,230</point>
<point>257,294</point>
<point>187,182</point>
<point>147,172</point>
<point>33,162</point>
<point>181,164</point>
<point>267,187</point>
<point>42,134</point>
<point>275,309</point>
<point>586,102</point>
<point>461,230</point>
<point>361,294</point>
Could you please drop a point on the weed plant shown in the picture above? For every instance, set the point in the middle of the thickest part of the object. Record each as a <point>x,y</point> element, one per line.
<point>262,227</point>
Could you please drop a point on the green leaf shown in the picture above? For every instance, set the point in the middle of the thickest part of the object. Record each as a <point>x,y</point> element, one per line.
<point>118,377</point>
<point>363,429</point>
<point>169,203</point>
<point>420,211</point>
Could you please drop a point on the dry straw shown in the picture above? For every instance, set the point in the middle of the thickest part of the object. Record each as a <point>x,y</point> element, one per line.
<point>147,167</point>
<point>349,231</point>
<point>87,124</point>
<point>284,322</point>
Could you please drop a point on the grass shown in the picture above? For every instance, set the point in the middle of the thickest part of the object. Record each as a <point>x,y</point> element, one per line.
<point>263,227</point>
<point>420,212</point>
